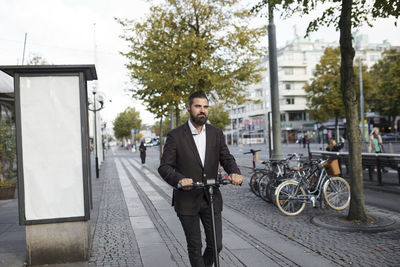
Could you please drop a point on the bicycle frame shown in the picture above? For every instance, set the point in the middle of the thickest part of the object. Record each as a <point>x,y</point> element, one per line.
<point>316,192</point>
<point>291,196</point>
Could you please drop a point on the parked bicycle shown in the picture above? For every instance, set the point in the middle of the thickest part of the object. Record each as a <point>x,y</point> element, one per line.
<point>291,196</point>
<point>279,170</point>
<point>256,173</point>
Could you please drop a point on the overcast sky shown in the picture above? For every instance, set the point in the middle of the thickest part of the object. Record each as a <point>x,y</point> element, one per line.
<point>62,31</point>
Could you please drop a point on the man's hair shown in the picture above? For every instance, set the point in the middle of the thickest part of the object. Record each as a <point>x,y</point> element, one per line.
<point>198,94</point>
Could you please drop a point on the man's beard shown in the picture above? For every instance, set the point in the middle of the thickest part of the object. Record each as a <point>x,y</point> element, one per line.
<point>199,121</point>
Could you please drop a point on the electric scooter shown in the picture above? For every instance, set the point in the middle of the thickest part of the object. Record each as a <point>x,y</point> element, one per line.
<point>210,185</point>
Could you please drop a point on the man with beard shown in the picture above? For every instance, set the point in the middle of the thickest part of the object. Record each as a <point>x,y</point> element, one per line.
<point>192,153</point>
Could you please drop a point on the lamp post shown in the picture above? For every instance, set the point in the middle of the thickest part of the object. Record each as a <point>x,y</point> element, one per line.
<point>273,72</point>
<point>361,100</point>
<point>95,109</point>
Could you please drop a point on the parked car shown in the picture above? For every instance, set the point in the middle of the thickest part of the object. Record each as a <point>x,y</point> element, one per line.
<point>151,140</point>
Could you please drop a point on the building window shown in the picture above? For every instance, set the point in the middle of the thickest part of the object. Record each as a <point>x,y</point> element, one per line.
<point>283,117</point>
<point>288,71</point>
<point>258,92</point>
<point>290,101</point>
<point>288,86</point>
<point>296,116</point>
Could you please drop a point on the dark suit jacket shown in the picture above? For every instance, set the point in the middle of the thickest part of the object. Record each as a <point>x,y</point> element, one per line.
<point>181,160</point>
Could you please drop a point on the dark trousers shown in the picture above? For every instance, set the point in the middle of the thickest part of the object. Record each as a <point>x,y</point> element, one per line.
<point>143,157</point>
<point>191,227</point>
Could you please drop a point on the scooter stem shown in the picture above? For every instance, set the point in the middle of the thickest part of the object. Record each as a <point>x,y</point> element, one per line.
<point>216,258</point>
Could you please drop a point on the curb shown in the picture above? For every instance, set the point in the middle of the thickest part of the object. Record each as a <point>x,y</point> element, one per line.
<point>382,188</point>
<point>338,222</point>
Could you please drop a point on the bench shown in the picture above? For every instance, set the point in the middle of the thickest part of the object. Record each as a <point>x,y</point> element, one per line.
<point>369,161</point>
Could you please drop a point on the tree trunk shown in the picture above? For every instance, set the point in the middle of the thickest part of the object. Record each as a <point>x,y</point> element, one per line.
<point>1,171</point>
<point>357,207</point>
<point>178,116</point>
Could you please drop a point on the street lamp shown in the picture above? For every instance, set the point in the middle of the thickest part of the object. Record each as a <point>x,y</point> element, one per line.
<point>95,109</point>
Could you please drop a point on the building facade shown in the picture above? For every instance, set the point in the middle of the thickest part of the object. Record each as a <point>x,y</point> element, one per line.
<point>296,65</point>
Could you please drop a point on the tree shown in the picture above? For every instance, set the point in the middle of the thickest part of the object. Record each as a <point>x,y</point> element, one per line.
<point>126,121</point>
<point>37,59</point>
<point>386,76</point>
<point>166,127</point>
<point>219,117</point>
<point>189,45</point>
<point>324,96</point>
<point>7,151</point>
<point>344,15</point>
<point>138,136</point>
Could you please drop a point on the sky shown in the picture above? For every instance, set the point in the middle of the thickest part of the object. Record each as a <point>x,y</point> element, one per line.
<point>67,32</point>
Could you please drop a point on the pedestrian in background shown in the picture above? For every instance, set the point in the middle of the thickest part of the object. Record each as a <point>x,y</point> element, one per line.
<point>192,153</point>
<point>375,143</point>
<point>304,141</point>
<point>142,149</point>
<point>333,146</point>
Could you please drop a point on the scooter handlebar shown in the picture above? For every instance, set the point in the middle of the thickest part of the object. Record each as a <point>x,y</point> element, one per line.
<point>209,182</point>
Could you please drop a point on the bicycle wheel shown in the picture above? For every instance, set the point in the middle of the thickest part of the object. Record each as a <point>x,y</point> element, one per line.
<point>337,193</point>
<point>263,188</point>
<point>254,179</point>
<point>287,200</point>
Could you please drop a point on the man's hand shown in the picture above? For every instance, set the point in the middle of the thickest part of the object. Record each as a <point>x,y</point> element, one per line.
<point>236,179</point>
<point>185,182</point>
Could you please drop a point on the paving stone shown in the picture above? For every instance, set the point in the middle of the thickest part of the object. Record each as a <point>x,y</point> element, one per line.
<point>342,248</point>
<point>114,242</point>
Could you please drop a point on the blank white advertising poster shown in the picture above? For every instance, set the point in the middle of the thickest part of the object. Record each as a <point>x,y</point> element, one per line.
<point>51,147</point>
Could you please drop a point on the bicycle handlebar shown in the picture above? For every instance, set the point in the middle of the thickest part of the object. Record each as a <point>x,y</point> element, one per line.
<point>252,151</point>
<point>209,182</point>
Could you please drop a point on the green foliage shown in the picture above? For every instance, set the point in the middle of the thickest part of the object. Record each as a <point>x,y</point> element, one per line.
<point>362,11</point>
<point>125,121</point>
<point>7,183</point>
<point>189,45</point>
<point>166,123</point>
<point>138,136</point>
<point>166,127</point>
<point>219,117</point>
<point>185,115</point>
<point>385,97</point>
<point>324,96</point>
<point>7,151</point>
<point>37,59</point>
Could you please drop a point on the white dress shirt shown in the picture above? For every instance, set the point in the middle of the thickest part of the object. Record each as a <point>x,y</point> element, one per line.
<point>199,140</point>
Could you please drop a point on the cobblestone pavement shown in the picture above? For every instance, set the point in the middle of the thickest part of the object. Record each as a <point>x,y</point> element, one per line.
<point>176,247</point>
<point>155,196</point>
<point>114,242</point>
<point>342,248</point>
